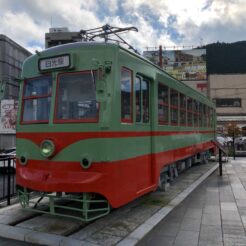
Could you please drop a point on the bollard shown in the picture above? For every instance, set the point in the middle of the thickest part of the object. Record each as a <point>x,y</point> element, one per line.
<point>8,180</point>
<point>220,161</point>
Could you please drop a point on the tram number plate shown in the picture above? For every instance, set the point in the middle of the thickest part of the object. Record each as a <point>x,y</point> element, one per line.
<point>54,62</point>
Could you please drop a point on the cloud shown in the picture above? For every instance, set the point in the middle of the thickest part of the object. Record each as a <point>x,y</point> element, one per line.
<point>160,22</point>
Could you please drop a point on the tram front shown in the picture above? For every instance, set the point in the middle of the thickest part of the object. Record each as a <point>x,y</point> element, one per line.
<point>58,131</point>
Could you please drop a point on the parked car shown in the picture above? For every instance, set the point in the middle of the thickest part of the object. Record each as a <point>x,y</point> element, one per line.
<point>222,140</point>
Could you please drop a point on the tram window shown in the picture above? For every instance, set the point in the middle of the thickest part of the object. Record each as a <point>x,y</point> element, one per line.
<point>205,115</point>
<point>126,95</point>
<point>195,113</point>
<point>182,109</point>
<point>36,100</point>
<point>189,111</point>
<point>163,104</point>
<point>142,100</point>
<point>145,95</point>
<point>138,99</point>
<point>76,98</point>
<point>211,117</point>
<point>200,114</point>
<point>174,106</point>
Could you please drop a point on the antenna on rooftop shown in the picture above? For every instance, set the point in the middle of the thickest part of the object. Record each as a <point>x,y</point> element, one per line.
<point>106,32</point>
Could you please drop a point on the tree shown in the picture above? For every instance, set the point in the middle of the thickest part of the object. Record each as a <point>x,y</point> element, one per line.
<point>233,129</point>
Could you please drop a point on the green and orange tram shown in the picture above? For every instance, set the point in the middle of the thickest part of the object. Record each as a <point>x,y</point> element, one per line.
<point>98,125</point>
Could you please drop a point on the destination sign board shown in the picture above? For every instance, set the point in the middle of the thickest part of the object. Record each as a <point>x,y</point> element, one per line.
<point>54,62</point>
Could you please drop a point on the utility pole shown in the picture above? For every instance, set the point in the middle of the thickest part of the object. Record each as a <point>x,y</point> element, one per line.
<point>160,57</point>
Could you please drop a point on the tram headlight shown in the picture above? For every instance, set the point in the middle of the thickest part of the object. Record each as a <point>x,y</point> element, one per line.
<point>47,148</point>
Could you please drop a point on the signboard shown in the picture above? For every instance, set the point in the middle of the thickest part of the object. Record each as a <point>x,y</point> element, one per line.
<point>8,116</point>
<point>54,62</point>
<point>182,64</point>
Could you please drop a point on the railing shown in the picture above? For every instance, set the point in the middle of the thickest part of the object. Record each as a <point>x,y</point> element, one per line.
<point>7,179</point>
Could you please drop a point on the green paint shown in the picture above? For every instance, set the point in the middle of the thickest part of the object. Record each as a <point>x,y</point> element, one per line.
<point>86,211</point>
<point>113,149</point>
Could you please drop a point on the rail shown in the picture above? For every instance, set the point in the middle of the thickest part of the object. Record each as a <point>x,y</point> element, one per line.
<point>7,179</point>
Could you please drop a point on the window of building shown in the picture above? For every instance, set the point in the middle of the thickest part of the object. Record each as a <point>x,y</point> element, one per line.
<point>228,102</point>
<point>189,111</point>
<point>76,98</point>
<point>36,100</point>
<point>142,99</point>
<point>182,109</point>
<point>174,106</point>
<point>163,104</point>
<point>126,95</point>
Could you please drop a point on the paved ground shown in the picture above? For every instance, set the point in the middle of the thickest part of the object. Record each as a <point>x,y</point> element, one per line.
<point>119,225</point>
<point>214,214</point>
<point>9,242</point>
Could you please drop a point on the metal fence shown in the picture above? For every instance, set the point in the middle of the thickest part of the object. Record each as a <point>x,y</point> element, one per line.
<point>7,179</point>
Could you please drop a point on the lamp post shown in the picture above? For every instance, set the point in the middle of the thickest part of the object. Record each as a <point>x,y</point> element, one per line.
<point>233,142</point>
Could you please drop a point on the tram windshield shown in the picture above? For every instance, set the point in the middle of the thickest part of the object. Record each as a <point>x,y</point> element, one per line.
<point>36,100</point>
<point>76,97</point>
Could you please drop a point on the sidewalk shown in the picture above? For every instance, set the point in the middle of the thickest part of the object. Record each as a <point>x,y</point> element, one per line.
<point>214,214</point>
<point>10,242</point>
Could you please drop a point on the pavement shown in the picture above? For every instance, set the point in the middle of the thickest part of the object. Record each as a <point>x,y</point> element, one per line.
<point>11,242</point>
<point>214,214</point>
<point>200,208</point>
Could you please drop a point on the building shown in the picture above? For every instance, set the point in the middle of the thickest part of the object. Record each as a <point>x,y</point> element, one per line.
<point>218,72</point>
<point>227,83</point>
<point>228,91</point>
<point>188,66</point>
<point>61,35</point>
<point>12,56</point>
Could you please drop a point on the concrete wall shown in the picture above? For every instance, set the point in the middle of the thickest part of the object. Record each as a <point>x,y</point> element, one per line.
<point>228,86</point>
<point>7,141</point>
<point>200,86</point>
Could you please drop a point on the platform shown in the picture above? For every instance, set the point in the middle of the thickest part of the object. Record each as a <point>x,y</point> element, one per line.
<point>124,226</point>
<point>213,215</point>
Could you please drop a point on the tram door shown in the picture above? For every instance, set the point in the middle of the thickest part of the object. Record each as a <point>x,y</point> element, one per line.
<point>143,123</point>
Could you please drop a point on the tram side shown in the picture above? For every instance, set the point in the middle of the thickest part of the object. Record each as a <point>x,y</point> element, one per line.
<point>174,122</point>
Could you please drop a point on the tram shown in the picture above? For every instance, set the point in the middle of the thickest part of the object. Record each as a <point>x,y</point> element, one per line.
<point>98,125</point>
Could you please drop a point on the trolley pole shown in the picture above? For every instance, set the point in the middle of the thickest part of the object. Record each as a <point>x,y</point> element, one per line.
<point>160,57</point>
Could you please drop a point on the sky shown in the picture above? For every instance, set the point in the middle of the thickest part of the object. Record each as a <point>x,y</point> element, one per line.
<point>160,22</point>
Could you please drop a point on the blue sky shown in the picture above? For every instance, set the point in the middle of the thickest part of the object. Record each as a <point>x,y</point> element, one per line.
<point>160,22</point>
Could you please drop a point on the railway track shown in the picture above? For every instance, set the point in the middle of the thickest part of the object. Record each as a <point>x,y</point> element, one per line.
<point>115,228</point>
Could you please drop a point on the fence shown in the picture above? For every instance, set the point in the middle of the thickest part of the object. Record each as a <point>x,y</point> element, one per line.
<point>7,179</point>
